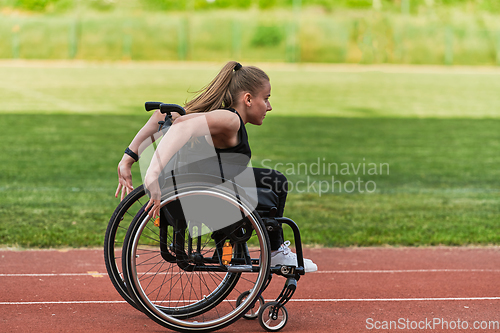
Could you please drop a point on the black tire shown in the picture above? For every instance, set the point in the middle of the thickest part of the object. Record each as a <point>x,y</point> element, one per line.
<point>196,301</point>
<point>272,324</point>
<point>118,225</point>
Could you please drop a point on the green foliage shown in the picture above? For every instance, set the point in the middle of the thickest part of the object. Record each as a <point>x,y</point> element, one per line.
<point>33,5</point>
<point>490,6</point>
<point>358,3</point>
<point>265,4</point>
<point>102,5</point>
<point>164,4</point>
<point>334,37</point>
<point>454,2</point>
<point>41,5</point>
<point>182,5</point>
<point>267,35</point>
<point>240,4</point>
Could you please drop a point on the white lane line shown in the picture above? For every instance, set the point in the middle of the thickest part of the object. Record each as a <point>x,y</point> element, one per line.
<point>332,300</point>
<point>437,270</point>
<point>396,299</point>
<point>61,302</point>
<point>379,271</point>
<point>93,274</point>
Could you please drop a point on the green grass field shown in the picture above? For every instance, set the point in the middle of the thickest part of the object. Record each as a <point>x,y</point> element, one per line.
<point>64,127</point>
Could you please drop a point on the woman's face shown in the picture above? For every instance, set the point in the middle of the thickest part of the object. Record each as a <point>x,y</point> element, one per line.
<point>259,105</point>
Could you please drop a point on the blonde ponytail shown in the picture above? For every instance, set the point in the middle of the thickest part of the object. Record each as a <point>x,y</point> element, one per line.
<point>226,86</point>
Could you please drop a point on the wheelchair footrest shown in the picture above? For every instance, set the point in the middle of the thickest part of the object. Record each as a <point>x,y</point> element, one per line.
<point>288,271</point>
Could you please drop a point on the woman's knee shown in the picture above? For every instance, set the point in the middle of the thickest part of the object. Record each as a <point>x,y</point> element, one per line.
<point>272,179</point>
<point>281,182</point>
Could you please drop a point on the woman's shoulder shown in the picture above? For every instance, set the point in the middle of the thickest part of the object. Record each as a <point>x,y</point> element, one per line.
<point>219,122</point>
<point>225,118</point>
<point>226,111</point>
<point>219,113</point>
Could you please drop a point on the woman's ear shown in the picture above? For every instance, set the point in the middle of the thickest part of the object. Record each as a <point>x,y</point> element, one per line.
<point>247,99</point>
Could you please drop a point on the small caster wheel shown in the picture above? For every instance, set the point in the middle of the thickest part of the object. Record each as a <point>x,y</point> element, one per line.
<point>267,321</point>
<point>253,312</point>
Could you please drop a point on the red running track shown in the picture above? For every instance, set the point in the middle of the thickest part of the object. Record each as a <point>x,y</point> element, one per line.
<point>355,290</point>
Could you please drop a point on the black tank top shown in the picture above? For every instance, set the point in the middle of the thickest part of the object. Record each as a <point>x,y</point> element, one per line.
<point>242,148</point>
<point>228,162</point>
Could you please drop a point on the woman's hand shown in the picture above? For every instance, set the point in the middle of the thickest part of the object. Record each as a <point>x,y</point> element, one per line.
<point>175,115</point>
<point>125,176</point>
<point>155,208</point>
<point>153,188</point>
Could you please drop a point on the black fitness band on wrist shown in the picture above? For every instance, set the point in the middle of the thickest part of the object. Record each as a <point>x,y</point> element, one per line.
<point>130,153</point>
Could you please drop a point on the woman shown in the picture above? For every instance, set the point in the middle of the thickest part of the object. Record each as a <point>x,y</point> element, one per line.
<point>236,96</point>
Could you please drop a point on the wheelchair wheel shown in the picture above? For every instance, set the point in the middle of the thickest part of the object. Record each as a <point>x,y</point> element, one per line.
<point>273,320</point>
<point>184,284</point>
<point>253,311</point>
<point>130,207</point>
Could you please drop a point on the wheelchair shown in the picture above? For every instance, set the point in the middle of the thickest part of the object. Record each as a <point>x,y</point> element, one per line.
<point>187,272</point>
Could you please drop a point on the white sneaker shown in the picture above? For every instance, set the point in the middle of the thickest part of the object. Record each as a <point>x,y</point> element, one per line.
<point>284,256</point>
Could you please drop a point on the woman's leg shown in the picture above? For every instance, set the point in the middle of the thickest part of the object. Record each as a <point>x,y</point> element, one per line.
<point>280,252</point>
<point>274,181</point>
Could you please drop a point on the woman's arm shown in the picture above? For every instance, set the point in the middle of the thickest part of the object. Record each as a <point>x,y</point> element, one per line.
<point>187,127</point>
<point>125,165</point>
